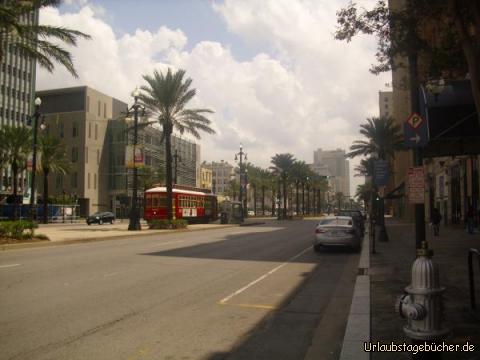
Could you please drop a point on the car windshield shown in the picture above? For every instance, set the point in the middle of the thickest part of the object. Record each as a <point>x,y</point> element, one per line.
<point>336,221</point>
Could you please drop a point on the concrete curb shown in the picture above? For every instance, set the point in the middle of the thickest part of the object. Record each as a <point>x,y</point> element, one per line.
<point>358,326</point>
<point>105,238</point>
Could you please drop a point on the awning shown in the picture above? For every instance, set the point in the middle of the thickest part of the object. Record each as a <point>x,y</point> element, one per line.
<point>452,121</point>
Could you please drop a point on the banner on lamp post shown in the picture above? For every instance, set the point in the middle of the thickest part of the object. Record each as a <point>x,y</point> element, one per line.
<point>136,160</point>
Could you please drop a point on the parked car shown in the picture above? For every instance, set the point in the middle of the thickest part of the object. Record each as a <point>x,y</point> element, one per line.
<point>100,218</point>
<point>357,218</point>
<point>337,231</point>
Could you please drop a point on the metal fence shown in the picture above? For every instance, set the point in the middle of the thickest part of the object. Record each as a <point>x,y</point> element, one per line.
<point>56,213</point>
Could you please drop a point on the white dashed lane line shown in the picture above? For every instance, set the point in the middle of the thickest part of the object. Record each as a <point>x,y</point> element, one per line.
<point>8,266</point>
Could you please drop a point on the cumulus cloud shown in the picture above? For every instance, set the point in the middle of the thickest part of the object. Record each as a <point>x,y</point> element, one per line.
<point>304,91</point>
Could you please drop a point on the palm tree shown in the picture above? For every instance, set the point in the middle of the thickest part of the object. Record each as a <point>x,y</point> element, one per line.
<point>383,138</point>
<point>166,96</point>
<point>53,158</point>
<point>299,174</point>
<point>365,168</point>
<point>282,165</point>
<point>17,142</point>
<point>33,40</point>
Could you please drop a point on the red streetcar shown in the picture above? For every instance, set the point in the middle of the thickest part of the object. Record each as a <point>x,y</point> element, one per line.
<point>192,204</point>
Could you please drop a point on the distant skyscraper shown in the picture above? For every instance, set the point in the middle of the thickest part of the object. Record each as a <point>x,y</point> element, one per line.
<point>333,163</point>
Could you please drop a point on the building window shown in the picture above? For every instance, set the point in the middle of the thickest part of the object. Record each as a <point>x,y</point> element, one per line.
<point>75,129</point>
<point>95,181</point>
<point>99,105</point>
<point>88,181</point>
<point>59,181</point>
<point>88,103</point>
<point>98,156</point>
<point>74,180</point>
<point>89,130</point>
<point>86,155</point>
<point>105,110</point>
<point>74,154</point>
<point>96,131</point>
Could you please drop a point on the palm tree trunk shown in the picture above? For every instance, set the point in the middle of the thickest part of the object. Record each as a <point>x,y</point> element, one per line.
<point>167,128</point>
<point>15,190</point>
<point>297,198</point>
<point>263,200</point>
<point>45,196</point>
<point>255,199</point>
<point>303,198</point>
<point>284,197</point>
<point>273,201</point>
<point>314,209</point>
<point>308,199</point>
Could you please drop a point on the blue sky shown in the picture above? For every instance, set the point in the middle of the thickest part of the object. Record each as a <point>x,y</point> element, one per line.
<point>196,18</point>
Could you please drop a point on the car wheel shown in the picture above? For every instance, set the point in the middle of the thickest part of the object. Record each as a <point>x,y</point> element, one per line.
<point>100,222</point>
<point>112,221</point>
<point>89,223</point>
<point>317,248</point>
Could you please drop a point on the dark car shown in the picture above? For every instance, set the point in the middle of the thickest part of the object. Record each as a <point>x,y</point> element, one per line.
<point>357,217</point>
<point>100,218</point>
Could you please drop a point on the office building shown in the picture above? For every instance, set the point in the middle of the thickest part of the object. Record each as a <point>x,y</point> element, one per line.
<point>333,163</point>
<point>17,93</point>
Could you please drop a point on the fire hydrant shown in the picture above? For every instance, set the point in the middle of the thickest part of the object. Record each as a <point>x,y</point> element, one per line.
<point>422,304</point>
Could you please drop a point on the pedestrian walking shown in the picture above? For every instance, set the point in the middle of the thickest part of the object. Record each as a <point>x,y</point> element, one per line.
<point>470,220</point>
<point>435,221</point>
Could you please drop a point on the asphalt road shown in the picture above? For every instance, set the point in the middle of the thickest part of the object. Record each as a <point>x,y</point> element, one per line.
<point>255,292</point>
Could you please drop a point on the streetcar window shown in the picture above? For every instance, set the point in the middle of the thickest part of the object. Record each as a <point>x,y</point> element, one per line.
<point>148,200</point>
<point>162,201</point>
<point>155,198</point>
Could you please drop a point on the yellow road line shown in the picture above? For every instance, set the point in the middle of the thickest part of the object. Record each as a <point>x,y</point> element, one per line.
<point>255,306</point>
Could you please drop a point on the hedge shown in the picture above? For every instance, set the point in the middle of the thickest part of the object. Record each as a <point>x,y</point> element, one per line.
<point>166,224</point>
<point>21,229</point>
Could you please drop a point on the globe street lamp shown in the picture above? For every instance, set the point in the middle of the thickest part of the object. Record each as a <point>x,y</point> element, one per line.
<point>36,116</point>
<point>241,156</point>
<point>134,223</point>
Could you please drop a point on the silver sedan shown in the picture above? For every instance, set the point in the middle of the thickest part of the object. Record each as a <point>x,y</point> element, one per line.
<point>337,231</point>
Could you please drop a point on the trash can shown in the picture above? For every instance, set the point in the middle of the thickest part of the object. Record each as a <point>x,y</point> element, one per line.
<point>223,218</point>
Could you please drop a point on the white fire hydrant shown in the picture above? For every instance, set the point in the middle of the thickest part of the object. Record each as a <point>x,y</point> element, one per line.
<point>422,304</point>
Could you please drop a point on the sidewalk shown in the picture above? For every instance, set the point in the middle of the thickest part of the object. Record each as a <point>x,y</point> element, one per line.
<point>390,273</point>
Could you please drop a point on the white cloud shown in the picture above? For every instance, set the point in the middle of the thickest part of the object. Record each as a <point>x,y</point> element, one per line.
<point>304,92</point>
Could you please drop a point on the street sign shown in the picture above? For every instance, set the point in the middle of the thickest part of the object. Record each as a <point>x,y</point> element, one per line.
<point>415,131</point>
<point>380,173</point>
<point>416,185</point>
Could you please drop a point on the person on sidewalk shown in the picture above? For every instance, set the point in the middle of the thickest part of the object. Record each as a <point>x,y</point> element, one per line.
<point>436,218</point>
<point>470,220</point>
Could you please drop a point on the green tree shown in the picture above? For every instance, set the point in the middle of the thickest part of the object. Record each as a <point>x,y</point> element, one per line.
<point>17,142</point>
<point>52,159</point>
<point>383,138</point>
<point>365,168</point>
<point>166,96</point>
<point>282,166</point>
<point>403,32</point>
<point>34,40</point>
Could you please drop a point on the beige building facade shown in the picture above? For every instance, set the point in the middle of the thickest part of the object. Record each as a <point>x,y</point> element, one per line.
<point>333,163</point>
<point>80,117</point>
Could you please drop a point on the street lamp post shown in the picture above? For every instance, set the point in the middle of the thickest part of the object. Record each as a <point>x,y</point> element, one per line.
<point>245,208</point>
<point>36,115</point>
<point>63,210</point>
<point>240,156</point>
<point>134,224</point>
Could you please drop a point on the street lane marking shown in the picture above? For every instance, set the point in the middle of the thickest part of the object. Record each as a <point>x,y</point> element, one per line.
<point>255,306</point>
<point>8,266</point>
<point>263,277</point>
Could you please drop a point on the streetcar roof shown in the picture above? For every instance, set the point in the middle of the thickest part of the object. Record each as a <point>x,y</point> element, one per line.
<point>180,191</point>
